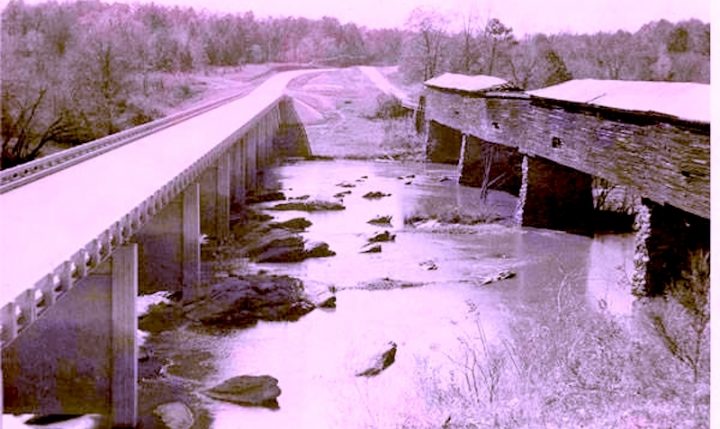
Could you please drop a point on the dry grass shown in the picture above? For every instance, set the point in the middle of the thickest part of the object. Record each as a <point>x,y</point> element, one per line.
<point>574,367</point>
<point>452,215</point>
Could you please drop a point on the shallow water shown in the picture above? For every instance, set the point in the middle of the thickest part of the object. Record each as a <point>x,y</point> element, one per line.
<point>315,358</point>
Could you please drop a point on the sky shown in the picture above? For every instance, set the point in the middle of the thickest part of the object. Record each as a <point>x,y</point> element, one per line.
<point>524,16</point>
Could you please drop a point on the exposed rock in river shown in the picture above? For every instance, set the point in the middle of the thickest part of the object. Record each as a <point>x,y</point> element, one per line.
<point>260,391</point>
<point>381,220</point>
<point>318,249</point>
<point>276,239</point>
<point>308,206</point>
<point>375,195</point>
<point>382,237</point>
<point>374,249</point>
<point>241,302</point>
<point>501,275</point>
<point>429,265</point>
<point>279,245</point>
<point>379,362</point>
<point>298,224</point>
<point>387,284</point>
<point>325,300</point>
<point>175,415</point>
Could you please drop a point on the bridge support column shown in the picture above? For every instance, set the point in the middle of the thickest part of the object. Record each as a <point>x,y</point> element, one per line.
<point>169,246</point>
<point>443,143</point>
<point>666,239</point>
<point>215,199</point>
<point>497,166</point>
<point>251,171</point>
<point>222,214</point>
<point>555,197</point>
<point>191,242</point>
<point>81,356</point>
<point>262,127</point>
<point>237,179</point>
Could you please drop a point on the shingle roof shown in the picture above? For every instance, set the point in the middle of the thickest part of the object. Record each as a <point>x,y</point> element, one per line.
<point>684,100</point>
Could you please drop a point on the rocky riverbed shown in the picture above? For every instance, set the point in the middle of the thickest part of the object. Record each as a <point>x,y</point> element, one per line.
<point>350,336</point>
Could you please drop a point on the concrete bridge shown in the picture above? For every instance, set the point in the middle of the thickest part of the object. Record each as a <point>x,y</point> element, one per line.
<point>652,138</point>
<point>83,231</point>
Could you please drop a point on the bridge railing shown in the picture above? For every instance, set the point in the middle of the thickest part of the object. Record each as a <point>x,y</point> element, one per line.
<point>25,173</point>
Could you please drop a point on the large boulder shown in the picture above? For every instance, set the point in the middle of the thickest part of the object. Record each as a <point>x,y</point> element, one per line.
<point>258,391</point>
<point>379,362</point>
<point>240,302</point>
<point>282,254</point>
<point>275,239</point>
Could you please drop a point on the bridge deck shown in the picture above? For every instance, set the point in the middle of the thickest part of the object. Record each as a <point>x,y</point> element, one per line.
<point>45,222</point>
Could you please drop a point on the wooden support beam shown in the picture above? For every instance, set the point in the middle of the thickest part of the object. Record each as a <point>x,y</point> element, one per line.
<point>251,161</point>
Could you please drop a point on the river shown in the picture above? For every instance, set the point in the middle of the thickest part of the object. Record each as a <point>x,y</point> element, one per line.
<point>315,359</point>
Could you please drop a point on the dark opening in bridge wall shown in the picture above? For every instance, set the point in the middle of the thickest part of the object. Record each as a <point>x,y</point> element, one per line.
<point>674,235</point>
<point>556,197</point>
<point>443,143</point>
<point>504,162</point>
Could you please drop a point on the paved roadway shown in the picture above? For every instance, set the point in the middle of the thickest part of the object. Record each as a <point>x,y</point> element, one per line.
<point>43,223</point>
<point>383,83</point>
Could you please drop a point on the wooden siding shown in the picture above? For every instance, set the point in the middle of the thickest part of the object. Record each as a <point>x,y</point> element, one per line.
<point>667,161</point>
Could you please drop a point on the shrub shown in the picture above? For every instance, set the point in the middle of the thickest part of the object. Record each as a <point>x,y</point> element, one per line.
<point>389,107</point>
<point>570,366</point>
<point>682,317</point>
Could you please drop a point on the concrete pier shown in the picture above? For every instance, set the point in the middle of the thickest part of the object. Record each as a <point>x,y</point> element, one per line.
<point>81,357</point>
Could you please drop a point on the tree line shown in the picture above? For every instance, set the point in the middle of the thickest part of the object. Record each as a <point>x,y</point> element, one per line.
<point>76,71</point>
<point>659,51</point>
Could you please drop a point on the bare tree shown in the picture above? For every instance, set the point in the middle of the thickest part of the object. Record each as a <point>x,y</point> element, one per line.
<point>469,50</point>
<point>426,46</point>
<point>499,37</point>
<point>23,135</point>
